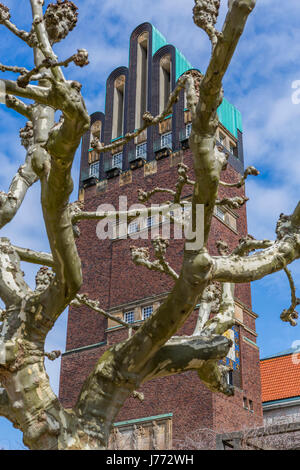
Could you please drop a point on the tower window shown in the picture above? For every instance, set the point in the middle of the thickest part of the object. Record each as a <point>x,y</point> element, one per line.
<point>117,160</point>
<point>166,140</point>
<point>118,107</point>
<point>230,377</point>
<point>147,311</point>
<point>222,139</point>
<point>220,213</point>
<point>188,129</point>
<point>141,100</point>
<point>129,317</point>
<point>94,169</point>
<point>233,149</point>
<point>141,150</point>
<point>164,81</point>
<point>133,227</point>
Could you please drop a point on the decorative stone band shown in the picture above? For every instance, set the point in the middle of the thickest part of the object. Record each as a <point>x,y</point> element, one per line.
<point>151,432</point>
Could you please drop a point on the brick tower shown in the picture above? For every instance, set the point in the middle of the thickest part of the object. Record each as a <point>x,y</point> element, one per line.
<point>178,406</point>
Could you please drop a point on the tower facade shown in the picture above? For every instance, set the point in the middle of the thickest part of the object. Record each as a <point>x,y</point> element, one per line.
<point>179,406</point>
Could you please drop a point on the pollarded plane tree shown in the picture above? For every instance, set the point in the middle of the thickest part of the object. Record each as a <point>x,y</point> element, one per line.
<point>26,397</point>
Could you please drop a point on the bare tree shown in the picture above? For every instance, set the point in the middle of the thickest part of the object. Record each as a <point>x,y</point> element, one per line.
<point>26,398</point>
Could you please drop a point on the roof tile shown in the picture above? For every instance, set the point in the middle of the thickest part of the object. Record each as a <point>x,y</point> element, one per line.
<point>280,377</point>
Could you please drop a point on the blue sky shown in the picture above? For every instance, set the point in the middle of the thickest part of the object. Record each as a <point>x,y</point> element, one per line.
<point>259,83</point>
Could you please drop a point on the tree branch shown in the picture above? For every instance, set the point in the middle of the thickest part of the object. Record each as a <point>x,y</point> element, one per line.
<point>14,103</point>
<point>13,288</point>
<point>183,353</point>
<point>10,202</point>
<point>141,257</point>
<point>80,59</point>
<point>250,170</point>
<point>205,16</point>
<point>128,216</point>
<point>248,244</point>
<point>35,257</point>
<point>290,315</point>
<point>232,202</point>
<point>82,299</point>
<point>182,180</point>
<point>32,92</point>
<point>5,20</point>
<point>42,36</point>
<point>240,269</point>
<point>145,196</point>
<point>13,68</point>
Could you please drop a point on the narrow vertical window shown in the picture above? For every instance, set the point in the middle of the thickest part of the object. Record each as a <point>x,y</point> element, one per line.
<point>166,140</point>
<point>164,81</point>
<point>147,311</point>
<point>188,129</point>
<point>117,160</point>
<point>220,213</point>
<point>118,107</point>
<point>129,317</point>
<point>141,101</point>
<point>94,170</point>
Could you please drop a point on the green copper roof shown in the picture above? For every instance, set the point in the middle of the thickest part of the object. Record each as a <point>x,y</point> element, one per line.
<point>230,117</point>
<point>182,64</point>
<point>158,40</point>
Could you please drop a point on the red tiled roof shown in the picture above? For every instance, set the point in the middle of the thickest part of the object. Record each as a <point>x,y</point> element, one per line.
<point>280,377</point>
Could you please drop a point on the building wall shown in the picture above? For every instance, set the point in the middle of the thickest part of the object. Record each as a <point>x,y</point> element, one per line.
<point>111,277</point>
<point>282,415</point>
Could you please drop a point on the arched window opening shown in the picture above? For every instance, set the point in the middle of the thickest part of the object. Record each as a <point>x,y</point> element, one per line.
<point>118,107</point>
<point>95,132</point>
<point>164,81</point>
<point>141,101</point>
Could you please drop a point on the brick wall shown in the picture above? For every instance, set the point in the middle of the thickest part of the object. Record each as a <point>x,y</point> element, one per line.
<point>110,276</point>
